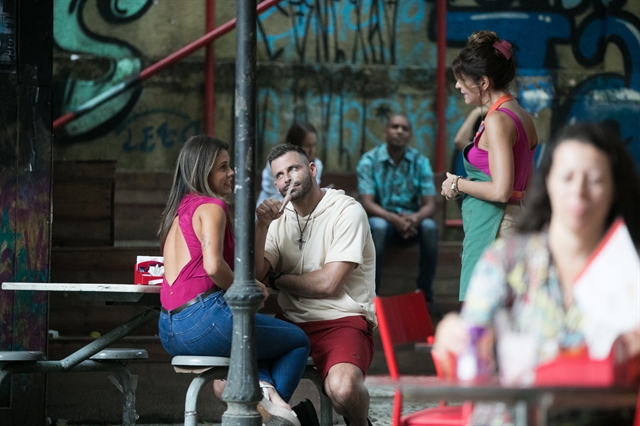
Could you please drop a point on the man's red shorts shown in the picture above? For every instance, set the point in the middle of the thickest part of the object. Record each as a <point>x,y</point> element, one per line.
<point>348,339</point>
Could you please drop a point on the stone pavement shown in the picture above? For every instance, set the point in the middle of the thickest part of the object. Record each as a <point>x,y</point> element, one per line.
<point>379,410</point>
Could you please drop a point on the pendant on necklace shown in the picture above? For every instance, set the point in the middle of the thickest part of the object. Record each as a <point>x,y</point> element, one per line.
<point>300,241</point>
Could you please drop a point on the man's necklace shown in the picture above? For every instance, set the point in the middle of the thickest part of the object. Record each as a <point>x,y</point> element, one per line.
<point>301,229</point>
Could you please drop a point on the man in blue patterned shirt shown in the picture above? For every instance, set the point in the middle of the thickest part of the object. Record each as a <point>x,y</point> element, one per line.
<point>396,189</point>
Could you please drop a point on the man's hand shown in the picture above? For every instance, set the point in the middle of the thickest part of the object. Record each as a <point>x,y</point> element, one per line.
<point>411,223</point>
<point>405,224</point>
<point>268,211</point>
<point>265,293</point>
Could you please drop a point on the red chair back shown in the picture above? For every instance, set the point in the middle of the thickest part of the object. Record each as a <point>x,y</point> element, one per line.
<point>402,319</point>
<point>405,319</point>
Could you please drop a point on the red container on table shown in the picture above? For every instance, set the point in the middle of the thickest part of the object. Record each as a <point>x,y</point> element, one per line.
<point>149,270</point>
<point>580,370</point>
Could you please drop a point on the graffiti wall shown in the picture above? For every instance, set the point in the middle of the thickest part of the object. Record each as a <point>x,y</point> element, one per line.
<point>343,65</point>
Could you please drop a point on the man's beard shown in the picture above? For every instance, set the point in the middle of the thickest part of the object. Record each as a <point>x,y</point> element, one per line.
<point>302,191</point>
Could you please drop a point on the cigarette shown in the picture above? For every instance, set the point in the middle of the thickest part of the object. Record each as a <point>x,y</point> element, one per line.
<point>287,196</point>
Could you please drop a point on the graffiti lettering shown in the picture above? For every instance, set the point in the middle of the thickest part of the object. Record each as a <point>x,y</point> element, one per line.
<point>167,134</point>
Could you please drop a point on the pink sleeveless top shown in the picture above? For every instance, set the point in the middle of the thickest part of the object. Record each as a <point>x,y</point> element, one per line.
<point>522,155</point>
<point>193,279</point>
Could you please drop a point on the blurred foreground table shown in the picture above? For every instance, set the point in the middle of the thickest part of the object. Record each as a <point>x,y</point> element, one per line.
<point>531,403</point>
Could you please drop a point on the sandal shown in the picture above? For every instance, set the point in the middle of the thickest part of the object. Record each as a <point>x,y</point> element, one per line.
<point>273,415</point>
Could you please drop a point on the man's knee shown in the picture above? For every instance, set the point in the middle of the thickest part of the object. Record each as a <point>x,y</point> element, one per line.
<point>428,227</point>
<point>378,225</point>
<point>344,383</point>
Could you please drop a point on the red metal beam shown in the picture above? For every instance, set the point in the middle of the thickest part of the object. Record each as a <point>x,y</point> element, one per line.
<point>441,80</point>
<point>209,71</point>
<point>133,80</point>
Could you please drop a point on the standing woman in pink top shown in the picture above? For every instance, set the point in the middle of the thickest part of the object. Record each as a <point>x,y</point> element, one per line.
<point>197,242</point>
<point>499,162</point>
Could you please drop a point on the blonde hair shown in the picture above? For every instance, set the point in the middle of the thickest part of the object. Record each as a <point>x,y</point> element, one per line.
<point>194,164</point>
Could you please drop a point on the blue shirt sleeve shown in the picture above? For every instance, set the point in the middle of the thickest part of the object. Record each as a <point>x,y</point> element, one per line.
<point>427,188</point>
<point>366,183</point>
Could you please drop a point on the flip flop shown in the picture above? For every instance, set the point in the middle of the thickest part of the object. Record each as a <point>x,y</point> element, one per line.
<point>272,414</point>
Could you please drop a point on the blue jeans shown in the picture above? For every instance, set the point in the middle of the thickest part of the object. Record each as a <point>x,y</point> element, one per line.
<point>206,328</point>
<point>384,233</point>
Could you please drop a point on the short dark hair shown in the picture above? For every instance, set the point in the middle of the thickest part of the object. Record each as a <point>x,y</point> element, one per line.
<point>538,212</point>
<point>298,131</point>
<point>391,116</point>
<point>480,58</point>
<point>283,148</point>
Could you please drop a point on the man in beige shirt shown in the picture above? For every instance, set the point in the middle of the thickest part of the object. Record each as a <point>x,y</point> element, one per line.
<point>317,250</point>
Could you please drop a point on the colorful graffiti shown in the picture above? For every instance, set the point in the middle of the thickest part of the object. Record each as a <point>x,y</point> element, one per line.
<point>140,133</point>
<point>72,34</point>
<point>8,46</point>
<point>23,257</point>
<point>603,96</point>
<point>355,61</point>
<point>402,34</point>
<point>344,31</point>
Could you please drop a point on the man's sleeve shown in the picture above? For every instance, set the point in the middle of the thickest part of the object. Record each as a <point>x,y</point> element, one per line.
<point>350,235</point>
<point>271,251</point>
<point>365,176</point>
<point>426,177</point>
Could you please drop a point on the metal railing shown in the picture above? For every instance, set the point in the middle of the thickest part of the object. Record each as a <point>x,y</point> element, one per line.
<point>60,122</point>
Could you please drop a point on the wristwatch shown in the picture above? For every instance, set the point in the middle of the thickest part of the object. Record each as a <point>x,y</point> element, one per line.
<point>454,187</point>
<point>273,276</point>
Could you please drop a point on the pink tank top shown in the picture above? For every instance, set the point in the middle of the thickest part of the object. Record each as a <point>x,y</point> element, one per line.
<point>193,279</point>
<point>522,155</point>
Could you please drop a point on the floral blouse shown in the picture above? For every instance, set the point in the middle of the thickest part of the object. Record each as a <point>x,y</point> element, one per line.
<point>518,274</point>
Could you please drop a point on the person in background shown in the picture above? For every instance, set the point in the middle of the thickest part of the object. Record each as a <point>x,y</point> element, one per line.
<point>499,163</point>
<point>197,242</point>
<point>300,134</point>
<point>317,250</point>
<point>396,190</point>
<point>586,180</point>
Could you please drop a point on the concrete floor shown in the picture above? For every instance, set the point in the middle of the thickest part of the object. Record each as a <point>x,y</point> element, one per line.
<point>379,410</point>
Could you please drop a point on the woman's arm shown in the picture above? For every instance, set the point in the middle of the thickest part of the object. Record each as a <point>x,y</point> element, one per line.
<point>466,131</point>
<point>500,136</point>
<point>209,225</point>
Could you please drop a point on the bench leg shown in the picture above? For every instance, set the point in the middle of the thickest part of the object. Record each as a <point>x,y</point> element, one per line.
<point>129,415</point>
<point>326,408</point>
<point>191,400</point>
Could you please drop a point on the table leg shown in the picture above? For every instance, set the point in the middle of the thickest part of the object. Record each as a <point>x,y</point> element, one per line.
<point>102,342</point>
<point>544,402</point>
<point>521,413</point>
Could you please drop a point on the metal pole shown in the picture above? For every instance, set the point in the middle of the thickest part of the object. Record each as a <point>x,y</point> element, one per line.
<point>242,391</point>
<point>209,71</point>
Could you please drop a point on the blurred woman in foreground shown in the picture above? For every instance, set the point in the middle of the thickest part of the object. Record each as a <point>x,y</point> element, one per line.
<point>586,180</point>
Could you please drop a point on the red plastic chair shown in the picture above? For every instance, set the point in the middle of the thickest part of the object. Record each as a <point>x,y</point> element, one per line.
<point>405,319</point>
